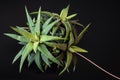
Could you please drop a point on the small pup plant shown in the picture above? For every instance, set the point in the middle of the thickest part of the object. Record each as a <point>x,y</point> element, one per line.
<point>51,38</point>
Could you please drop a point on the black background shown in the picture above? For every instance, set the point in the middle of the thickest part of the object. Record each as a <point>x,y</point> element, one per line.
<point>102,40</point>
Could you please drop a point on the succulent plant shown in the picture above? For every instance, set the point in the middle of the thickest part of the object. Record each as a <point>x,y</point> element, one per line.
<point>50,38</point>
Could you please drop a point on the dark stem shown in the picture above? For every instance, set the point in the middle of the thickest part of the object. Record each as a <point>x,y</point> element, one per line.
<point>98,66</point>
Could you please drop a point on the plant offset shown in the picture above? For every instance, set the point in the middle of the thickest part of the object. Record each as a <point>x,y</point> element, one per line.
<point>50,38</point>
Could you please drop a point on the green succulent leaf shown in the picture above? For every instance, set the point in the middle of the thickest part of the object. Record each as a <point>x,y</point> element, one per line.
<point>74,61</point>
<point>38,61</point>
<point>18,55</point>
<point>68,62</point>
<point>17,37</point>
<point>48,27</point>
<point>61,46</point>
<point>67,28</point>
<point>83,31</point>
<point>43,49</point>
<point>30,59</point>
<point>64,13</point>
<point>71,41</point>
<point>23,32</point>
<point>30,21</point>
<point>71,16</point>
<point>45,59</point>
<point>46,23</point>
<point>37,25</point>
<point>78,49</point>
<point>75,36</point>
<point>45,38</point>
<point>28,48</point>
<point>35,46</point>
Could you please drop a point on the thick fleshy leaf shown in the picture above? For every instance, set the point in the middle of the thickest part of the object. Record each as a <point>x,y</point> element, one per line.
<point>37,25</point>
<point>17,37</point>
<point>71,16</point>
<point>30,21</point>
<point>83,31</point>
<point>54,29</point>
<point>35,46</point>
<point>30,59</point>
<point>74,62</point>
<point>75,36</point>
<point>68,62</point>
<point>28,48</point>
<point>44,38</point>
<point>18,55</point>
<point>38,61</point>
<point>75,22</point>
<point>48,27</point>
<point>61,56</point>
<point>64,13</point>
<point>43,49</point>
<point>71,41</point>
<point>61,46</point>
<point>78,49</point>
<point>45,59</point>
<point>46,23</point>
<point>67,28</point>
<point>23,32</point>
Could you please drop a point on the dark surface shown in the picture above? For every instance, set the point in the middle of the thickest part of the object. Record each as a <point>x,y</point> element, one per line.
<point>102,40</point>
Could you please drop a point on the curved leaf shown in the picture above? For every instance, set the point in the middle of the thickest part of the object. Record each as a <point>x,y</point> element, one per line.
<point>61,46</point>
<point>83,31</point>
<point>43,49</point>
<point>46,23</point>
<point>71,16</point>
<point>48,27</point>
<point>38,61</point>
<point>26,51</point>
<point>64,13</point>
<point>78,49</point>
<point>44,38</point>
<point>30,21</point>
<point>18,55</point>
<point>17,37</point>
<point>37,25</point>
<point>45,59</point>
<point>23,32</point>
<point>67,64</point>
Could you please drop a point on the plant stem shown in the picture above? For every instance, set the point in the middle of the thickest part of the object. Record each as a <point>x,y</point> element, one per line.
<point>98,66</point>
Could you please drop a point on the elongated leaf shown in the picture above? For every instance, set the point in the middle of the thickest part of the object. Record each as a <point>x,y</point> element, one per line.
<point>35,46</point>
<point>38,61</point>
<point>71,41</point>
<point>42,48</point>
<point>37,25</point>
<point>30,59</point>
<point>74,61</point>
<point>17,37</point>
<point>23,32</point>
<point>18,55</point>
<point>48,27</point>
<point>45,59</point>
<point>71,16</point>
<point>30,22</point>
<point>26,51</point>
<point>67,64</point>
<point>45,38</point>
<point>46,23</point>
<point>78,49</point>
<point>83,31</point>
<point>75,36</point>
<point>67,28</point>
<point>61,46</point>
<point>64,13</point>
